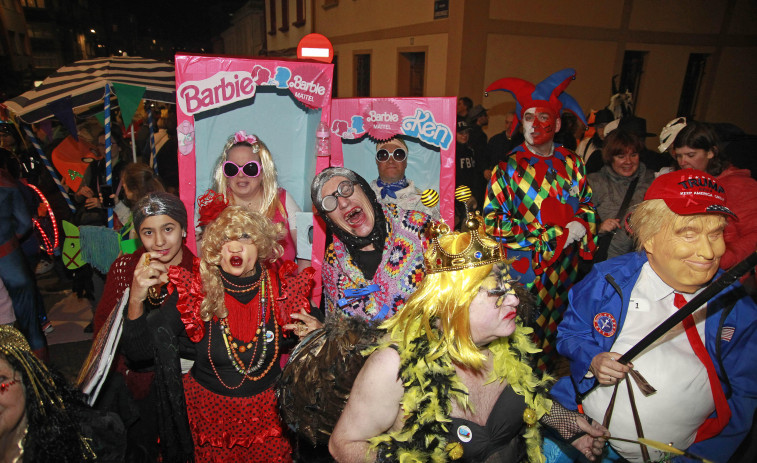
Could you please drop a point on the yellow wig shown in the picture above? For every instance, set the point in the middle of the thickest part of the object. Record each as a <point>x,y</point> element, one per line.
<point>446,297</point>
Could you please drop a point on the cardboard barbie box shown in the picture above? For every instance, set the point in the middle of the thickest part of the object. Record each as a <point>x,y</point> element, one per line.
<point>426,125</point>
<point>281,102</point>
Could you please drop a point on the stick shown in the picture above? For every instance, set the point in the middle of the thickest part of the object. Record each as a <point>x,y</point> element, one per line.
<point>725,280</point>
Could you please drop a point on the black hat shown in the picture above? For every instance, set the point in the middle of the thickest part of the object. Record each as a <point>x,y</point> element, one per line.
<point>603,116</point>
<point>635,125</point>
<point>462,126</point>
<point>475,112</point>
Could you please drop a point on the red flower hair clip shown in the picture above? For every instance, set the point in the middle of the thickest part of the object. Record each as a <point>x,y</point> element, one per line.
<point>210,205</point>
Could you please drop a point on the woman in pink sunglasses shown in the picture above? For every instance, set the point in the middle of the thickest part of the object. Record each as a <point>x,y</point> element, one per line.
<point>246,175</point>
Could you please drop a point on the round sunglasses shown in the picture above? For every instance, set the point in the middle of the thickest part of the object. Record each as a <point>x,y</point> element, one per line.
<point>383,155</point>
<point>343,190</point>
<point>251,169</point>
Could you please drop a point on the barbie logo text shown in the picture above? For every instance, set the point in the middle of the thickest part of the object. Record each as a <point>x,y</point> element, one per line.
<point>422,125</point>
<point>311,87</point>
<point>218,90</point>
<point>382,117</point>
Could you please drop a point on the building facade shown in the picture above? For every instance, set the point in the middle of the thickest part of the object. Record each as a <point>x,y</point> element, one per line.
<point>693,58</point>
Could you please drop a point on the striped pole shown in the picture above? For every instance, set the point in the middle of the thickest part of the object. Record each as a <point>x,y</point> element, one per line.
<point>108,168</point>
<point>151,125</point>
<point>49,166</point>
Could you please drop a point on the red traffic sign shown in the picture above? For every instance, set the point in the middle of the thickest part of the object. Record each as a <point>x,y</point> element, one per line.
<point>316,47</point>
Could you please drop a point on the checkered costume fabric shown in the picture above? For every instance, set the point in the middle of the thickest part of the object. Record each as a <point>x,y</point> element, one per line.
<point>400,271</point>
<point>529,201</point>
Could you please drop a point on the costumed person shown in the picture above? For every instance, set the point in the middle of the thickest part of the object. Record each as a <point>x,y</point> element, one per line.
<point>452,380</point>
<point>695,146</point>
<point>392,186</point>
<point>246,176</point>
<point>539,201</point>
<point>702,368</point>
<point>43,418</point>
<point>18,278</point>
<point>616,188</point>
<point>376,259</point>
<point>161,222</point>
<point>234,307</point>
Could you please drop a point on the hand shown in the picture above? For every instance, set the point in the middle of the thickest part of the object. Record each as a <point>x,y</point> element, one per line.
<point>308,325</point>
<point>148,272</point>
<point>592,444</point>
<point>92,203</point>
<point>86,192</point>
<point>575,231</point>
<point>488,174</point>
<point>112,196</point>
<point>607,370</point>
<point>609,225</point>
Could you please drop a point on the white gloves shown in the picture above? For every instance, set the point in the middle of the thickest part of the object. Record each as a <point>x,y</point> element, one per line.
<point>576,231</point>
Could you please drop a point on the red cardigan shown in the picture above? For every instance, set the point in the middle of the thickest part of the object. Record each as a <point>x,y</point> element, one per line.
<point>120,277</point>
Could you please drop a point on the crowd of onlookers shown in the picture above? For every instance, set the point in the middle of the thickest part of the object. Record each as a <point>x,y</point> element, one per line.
<point>215,331</point>
<point>615,153</point>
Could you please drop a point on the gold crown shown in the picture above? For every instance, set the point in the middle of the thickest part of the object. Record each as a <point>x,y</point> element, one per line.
<point>475,255</point>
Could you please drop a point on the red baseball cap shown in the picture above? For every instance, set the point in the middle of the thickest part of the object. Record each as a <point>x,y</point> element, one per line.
<point>690,191</point>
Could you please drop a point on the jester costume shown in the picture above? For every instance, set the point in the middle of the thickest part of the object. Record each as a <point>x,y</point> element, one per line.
<point>530,200</point>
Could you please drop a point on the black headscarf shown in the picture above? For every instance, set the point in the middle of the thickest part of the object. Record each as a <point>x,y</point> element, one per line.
<point>354,243</point>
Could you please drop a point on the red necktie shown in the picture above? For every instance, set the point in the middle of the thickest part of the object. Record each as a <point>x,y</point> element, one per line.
<point>711,426</point>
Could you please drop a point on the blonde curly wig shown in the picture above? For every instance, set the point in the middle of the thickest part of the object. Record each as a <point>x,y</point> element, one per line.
<point>233,223</point>
<point>268,170</point>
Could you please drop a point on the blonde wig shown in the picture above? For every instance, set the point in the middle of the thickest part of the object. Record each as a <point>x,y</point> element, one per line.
<point>653,216</point>
<point>233,223</point>
<point>269,181</point>
<point>446,297</point>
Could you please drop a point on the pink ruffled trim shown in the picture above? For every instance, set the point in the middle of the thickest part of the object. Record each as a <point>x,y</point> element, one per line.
<point>295,289</point>
<point>189,286</point>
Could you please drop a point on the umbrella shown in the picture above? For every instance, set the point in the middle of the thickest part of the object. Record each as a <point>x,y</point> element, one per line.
<point>87,82</point>
<point>84,82</point>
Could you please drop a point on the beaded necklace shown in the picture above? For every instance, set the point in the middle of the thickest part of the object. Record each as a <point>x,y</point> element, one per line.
<point>232,347</point>
<point>241,288</point>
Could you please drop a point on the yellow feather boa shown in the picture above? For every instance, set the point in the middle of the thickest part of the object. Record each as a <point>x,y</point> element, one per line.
<point>431,384</point>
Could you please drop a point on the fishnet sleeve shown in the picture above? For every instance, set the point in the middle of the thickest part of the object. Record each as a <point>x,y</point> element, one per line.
<point>563,421</point>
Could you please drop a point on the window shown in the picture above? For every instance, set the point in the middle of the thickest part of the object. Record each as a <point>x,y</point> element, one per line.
<point>272,17</point>
<point>284,16</point>
<point>630,76</point>
<point>411,74</point>
<point>363,75</point>
<point>692,82</point>
<point>300,14</point>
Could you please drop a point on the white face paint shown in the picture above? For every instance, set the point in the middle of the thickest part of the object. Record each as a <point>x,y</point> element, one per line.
<point>539,126</point>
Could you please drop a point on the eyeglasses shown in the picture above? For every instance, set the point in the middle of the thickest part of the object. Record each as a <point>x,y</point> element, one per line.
<point>251,169</point>
<point>399,155</point>
<point>343,190</point>
<point>5,386</point>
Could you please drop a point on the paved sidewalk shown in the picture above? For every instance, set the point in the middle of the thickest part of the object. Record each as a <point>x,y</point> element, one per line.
<point>68,343</point>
